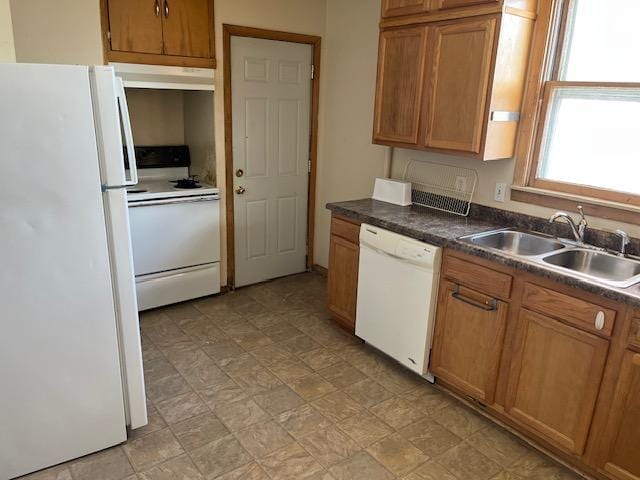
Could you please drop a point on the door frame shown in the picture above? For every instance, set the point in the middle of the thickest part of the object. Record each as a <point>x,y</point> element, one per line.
<point>316,42</point>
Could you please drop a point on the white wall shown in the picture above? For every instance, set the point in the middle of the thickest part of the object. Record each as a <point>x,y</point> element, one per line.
<point>199,131</point>
<point>348,162</point>
<point>157,116</point>
<point>7,50</point>
<point>57,31</point>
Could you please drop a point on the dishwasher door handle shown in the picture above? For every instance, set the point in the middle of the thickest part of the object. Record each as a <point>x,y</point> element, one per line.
<point>489,307</point>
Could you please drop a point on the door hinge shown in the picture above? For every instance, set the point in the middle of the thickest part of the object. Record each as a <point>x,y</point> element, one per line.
<point>309,167</point>
<point>313,72</point>
<point>109,35</point>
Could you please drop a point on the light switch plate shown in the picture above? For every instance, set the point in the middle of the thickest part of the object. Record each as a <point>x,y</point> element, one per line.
<point>501,189</point>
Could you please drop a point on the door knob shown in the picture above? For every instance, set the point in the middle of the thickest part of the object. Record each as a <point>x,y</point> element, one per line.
<point>240,190</point>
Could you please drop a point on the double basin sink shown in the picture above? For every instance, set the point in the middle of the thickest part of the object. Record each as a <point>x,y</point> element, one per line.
<point>591,263</point>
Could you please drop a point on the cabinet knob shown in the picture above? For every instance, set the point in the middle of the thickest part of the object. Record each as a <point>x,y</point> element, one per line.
<point>157,7</point>
<point>600,319</point>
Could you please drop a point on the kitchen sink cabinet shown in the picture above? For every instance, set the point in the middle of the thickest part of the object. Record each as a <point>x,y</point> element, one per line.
<point>453,85</point>
<point>342,285</point>
<point>162,32</point>
<point>555,378</point>
<point>558,364</point>
<point>623,458</point>
<point>468,340</point>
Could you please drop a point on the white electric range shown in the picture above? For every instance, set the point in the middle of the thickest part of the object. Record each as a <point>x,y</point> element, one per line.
<point>175,234</point>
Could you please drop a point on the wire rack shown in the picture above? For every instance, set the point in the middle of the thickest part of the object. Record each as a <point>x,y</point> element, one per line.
<point>442,187</point>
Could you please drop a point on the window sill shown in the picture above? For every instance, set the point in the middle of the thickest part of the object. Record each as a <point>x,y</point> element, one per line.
<point>592,206</point>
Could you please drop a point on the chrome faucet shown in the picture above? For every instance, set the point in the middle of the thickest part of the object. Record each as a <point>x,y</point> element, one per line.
<point>577,229</point>
<point>625,242</point>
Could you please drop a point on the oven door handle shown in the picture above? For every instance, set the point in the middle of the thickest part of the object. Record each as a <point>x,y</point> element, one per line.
<point>172,201</point>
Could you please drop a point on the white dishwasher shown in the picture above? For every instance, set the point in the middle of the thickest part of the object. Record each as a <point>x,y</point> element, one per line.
<point>397,289</point>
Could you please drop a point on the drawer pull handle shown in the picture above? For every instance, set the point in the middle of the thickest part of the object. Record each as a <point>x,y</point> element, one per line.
<point>489,306</point>
<point>600,320</point>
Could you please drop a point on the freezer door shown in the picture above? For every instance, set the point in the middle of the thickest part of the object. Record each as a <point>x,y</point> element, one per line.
<point>114,128</point>
<point>119,238</point>
<point>60,371</point>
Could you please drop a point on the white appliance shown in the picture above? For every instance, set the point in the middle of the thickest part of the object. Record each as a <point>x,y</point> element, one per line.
<point>70,355</point>
<point>176,237</point>
<point>165,77</point>
<point>397,290</point>
<point>392,191</point>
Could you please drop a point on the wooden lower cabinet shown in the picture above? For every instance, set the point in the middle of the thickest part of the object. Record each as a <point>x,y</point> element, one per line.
<point>623,459</point>
<point>555,379</point>
<point>344,256</point>
<point>468,341</point>
<point>532,353</point>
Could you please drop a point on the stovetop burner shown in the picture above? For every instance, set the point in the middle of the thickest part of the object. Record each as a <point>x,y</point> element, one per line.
<point>187,184</point>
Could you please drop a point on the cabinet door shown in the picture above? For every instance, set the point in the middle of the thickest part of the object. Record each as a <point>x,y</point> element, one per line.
<point>623,461</point>
<point>555,379</point>
<point>395,8</point>
<point>468,340</point>
<point>444,4</point>
<point>188,25</point>
<point>401,69</point>
<point>135,26</point>
<point>459,79</point>
<point>342,286</point>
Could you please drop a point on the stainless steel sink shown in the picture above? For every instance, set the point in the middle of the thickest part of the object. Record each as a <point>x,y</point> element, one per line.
<point>516,243</point>
<point>603,267</point>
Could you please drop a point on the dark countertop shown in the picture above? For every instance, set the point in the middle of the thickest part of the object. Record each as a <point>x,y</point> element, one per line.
<point>444,229</point>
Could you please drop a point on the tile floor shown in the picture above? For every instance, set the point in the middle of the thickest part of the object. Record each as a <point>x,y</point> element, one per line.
<point>259,384</point>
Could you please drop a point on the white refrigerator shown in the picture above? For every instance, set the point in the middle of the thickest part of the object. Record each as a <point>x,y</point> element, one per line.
<point>71,376</point>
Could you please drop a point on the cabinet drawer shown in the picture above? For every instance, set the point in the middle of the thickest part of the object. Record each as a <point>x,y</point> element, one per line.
<point>480,278</point>
<point>580,313</point>
<point>634,334</point>
<point>345,229</point>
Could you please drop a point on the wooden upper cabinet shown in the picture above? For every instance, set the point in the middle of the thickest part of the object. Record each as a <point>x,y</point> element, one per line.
<point>187,28</point>
<point>396,8</point>
<point>470,92</point>
<point>555,379</point>
<point>445,4</point>
<point>460,77</point>
<point>136,26</point>
<point>623,460</point>
<point>161,32</point>
<point>401,69</point>
<point>469,335</point>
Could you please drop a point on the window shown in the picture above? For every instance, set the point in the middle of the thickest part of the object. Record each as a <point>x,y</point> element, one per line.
<point>585,139</point>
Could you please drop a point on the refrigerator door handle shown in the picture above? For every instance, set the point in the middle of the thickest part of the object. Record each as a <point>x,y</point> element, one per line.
<point>128,134</point>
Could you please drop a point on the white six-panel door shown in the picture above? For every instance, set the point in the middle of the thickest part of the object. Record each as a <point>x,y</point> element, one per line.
<point>271,102</point>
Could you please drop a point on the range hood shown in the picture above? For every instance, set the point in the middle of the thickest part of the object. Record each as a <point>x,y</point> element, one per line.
<point>161,77</point>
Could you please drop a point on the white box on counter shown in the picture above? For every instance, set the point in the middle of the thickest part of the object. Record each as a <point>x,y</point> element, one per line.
<point>392,191</point>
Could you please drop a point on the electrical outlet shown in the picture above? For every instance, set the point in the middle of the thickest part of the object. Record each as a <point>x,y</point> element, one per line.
<point>461,184</point>
<point>501,190</point>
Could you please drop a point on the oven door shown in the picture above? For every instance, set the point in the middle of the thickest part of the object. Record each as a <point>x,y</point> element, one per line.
<point>174,233</point>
